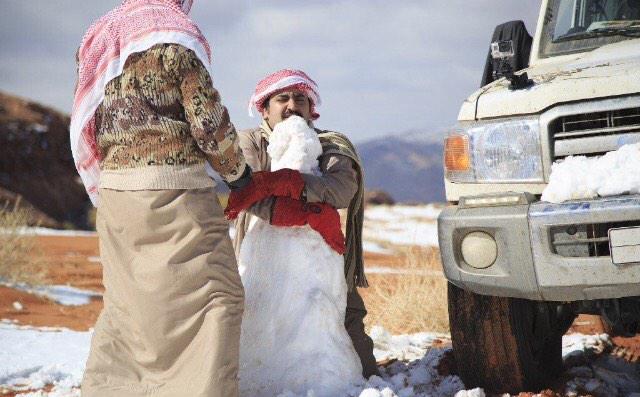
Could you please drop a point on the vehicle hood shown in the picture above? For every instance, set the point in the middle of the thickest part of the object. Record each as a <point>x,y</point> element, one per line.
<point>610,70</point>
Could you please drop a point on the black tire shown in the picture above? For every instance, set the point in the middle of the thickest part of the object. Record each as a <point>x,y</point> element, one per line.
<point>505,345</point>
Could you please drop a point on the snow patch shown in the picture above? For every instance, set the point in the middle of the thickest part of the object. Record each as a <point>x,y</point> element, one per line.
<point>31,358</point>
<point>39,128</point>
<point>401,225</point>
<point>394,270</point>
<point>419,377</point>
<point>605,376</point>
<point>392,213</point>
<point>43,231</point>
<point>402,347</point>
<point>579,343</point>
<point>61,294</point>
<point>403,232</point>
<point>375,248</point>
<point>477,392</point>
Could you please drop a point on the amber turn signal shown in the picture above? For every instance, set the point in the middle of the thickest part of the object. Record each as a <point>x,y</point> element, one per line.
<point>457,156</point>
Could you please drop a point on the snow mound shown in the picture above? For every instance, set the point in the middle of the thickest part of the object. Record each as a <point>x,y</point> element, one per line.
<point>582,177</point>
<point>414,374</point>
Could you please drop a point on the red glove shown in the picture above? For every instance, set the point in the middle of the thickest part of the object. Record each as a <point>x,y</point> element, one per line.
<point>322,218</point>
<point>281,183</point>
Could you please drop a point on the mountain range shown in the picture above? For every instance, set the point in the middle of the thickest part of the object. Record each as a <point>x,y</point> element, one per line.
<point>408,166</point>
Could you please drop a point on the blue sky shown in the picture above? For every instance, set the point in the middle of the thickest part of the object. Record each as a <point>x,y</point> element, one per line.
<point>383,67</point>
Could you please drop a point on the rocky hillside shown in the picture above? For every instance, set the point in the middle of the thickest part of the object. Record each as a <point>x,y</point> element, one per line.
<point>36,163</point>
<point>408,166</point>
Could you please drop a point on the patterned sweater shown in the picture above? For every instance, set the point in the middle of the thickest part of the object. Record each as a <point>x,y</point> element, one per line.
<point>160,120</point>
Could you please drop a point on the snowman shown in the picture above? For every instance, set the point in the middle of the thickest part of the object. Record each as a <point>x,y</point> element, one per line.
<point>293,337</point>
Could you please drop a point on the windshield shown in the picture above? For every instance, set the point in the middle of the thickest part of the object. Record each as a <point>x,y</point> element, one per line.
<point>580,25</point>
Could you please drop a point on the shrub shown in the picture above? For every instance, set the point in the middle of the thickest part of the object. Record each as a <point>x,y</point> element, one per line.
<point>20,260</point>
<point>414,301</point>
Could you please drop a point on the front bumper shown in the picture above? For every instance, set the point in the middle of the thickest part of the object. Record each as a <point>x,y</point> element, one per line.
<point>528,266</point>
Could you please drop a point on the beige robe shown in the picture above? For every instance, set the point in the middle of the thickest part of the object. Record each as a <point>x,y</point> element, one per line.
<point>173,297</point>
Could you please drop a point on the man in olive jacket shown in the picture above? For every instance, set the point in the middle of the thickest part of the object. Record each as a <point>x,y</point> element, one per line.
<point>292,92</point>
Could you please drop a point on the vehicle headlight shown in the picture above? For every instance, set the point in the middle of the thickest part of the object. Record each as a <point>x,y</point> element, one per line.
<point>506,151</point>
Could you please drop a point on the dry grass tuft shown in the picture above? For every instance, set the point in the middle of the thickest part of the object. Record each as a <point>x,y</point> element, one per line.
<point>411,302</point>
<point>20,260</point>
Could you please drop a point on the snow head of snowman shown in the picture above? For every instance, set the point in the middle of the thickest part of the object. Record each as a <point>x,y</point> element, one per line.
<point>295,145</point>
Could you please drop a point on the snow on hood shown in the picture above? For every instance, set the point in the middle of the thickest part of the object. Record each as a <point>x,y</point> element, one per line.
<point>580,177</point>
<point>610,70</point>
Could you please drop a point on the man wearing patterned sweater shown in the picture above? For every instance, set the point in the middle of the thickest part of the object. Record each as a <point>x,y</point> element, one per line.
<point>146,122</point>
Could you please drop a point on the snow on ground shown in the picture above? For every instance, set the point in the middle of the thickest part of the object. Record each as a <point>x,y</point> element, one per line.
<point>375,248</point>
<point>401,225</point>
<point>384,225</point>
<point>392,213</point>
<point>578,342</point>
<point>62,294</point>
<point>393,270</point>
<point>389,225</point>
<point>580,177</point>
<point>43,231</point>
<point>31,358</point>
<point>604,376</point>
<point>403,232</point>
<point>406,347</point>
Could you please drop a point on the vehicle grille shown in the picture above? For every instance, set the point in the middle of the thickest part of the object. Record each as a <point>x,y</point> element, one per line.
<point>586,240</point>
<point>593,134</point>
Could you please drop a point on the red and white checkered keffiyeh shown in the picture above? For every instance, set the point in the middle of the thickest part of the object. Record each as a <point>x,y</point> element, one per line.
<point>134,26</point>
<point>283,80</point>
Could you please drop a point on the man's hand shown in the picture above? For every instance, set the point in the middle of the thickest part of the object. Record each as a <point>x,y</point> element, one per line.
<point>281,183</point>
<point>322,218</point>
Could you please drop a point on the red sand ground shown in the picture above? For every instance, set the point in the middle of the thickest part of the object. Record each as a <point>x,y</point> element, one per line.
<point>74,261</point>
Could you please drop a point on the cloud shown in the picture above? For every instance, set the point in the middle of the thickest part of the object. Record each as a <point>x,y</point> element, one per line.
<point>382,66</point>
